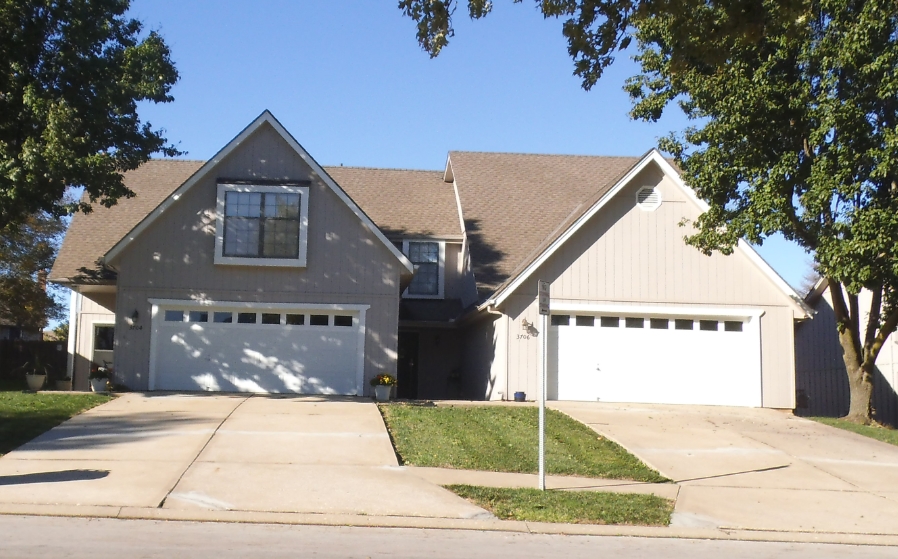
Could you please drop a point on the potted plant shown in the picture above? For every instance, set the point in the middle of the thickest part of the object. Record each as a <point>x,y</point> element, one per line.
<point>64,384</point>
<point>383,384</point>
<point>99,378</point>
<point>35,375</point>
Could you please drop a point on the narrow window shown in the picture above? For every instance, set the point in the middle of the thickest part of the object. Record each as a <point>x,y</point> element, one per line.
<point>659,324</point>
<point>342,320</point>
<point>223,317</point>
<point>586,321</point>
<point>318,320</point>
<point>634,322</point>
<point>296,319</point>
<point>684,324</point>
<point>174,316</point>
<point>271,318</point>
<point>246,318</point>
<point>198,316</point>
<point>561,319</point>
<point>426,258</point>
<point>708,325</point>
<point>732,326</point>
<point>610,322</point>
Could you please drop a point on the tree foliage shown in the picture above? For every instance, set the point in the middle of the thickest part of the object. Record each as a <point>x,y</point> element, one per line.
<point>795,105</point>
<point>27,252</point>
<point>73,72</point>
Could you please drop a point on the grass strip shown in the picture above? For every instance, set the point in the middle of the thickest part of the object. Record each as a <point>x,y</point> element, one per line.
<point>878,432</point>
<point>569,507</point>
<point>25,415</point>
<point>504,439</point>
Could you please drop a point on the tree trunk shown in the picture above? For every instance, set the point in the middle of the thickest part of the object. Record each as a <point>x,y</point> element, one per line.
<point>860,384</point>
<point>860,379</point>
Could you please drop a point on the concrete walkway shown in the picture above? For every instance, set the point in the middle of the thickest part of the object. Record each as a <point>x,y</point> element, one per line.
<point>757,469</point>
<point>225,452</point>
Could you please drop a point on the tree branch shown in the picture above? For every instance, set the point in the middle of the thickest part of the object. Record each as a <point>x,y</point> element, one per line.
<point>843,313</point>
<point>874,318</point>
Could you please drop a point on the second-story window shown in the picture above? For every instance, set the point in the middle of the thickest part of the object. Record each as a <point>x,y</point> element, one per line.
<point>425,255</point>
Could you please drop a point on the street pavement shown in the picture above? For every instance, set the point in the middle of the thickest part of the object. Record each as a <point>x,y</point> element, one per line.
<point>757,469</point>
<point>79,538</point>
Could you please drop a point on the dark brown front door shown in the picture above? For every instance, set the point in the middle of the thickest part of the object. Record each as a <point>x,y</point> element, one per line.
<point>407,366</point>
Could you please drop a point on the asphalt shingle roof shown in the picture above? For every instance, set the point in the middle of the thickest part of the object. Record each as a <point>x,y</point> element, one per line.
<point>91,235</point>
<point>402,202</point>
<point>514,205</point>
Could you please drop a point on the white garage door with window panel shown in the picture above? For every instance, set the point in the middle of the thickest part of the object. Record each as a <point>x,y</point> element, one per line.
<point>254,347</point>
<point>657,355</point>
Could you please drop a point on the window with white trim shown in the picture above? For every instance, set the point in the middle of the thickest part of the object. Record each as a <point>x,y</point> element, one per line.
<point>263,225</point>
<point>428,259</point>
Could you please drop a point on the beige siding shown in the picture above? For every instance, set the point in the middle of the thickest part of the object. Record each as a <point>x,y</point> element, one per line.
<point>96,308</point>
<point>173,259</point>
<point>625,255</point>
<point>820,371</point>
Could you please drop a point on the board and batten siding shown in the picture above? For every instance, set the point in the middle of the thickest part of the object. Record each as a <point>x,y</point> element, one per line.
<point>627,256</point>
<point>820,376</point>
<point>173,259</point>
<point>95,308</point>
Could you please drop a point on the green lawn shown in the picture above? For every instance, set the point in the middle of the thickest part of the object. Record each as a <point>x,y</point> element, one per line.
<point>884,434</point>
<point>504,439</point>
<point>572,507</point>
<point>25,415</point>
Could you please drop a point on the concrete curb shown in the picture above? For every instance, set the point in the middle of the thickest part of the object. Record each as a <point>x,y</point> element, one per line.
<point>512,526</point>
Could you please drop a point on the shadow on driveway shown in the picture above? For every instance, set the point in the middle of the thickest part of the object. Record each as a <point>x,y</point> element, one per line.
<point>52,477</point>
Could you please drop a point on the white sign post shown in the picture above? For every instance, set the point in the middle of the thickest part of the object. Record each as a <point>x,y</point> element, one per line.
<point>543,295</point>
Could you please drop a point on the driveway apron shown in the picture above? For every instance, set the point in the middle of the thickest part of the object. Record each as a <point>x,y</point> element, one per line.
<point>225,452</point>
<point>757,469</point>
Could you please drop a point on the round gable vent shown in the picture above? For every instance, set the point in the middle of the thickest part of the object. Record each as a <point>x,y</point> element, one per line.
<point>648,198</point>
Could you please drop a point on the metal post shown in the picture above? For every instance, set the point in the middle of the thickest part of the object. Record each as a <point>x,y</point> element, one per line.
<point>542,406</point>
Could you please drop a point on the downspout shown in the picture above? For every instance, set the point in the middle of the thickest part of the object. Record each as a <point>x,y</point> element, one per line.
<point>74,311</point>
<point>490,307</point>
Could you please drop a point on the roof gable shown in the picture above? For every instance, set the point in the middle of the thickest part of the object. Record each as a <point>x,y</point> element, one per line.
<point>510,203</point>
<point>586,210</point>
<point>265,118</point>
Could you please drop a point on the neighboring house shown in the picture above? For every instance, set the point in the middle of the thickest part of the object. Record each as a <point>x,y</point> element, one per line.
<point>260,270</point>
<point>821,379</point>
<point>9,331</point>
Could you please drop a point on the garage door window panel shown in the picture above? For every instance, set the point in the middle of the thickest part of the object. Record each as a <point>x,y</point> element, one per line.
<point>295,319</point>
<point>684,324</point>
<point>198,316</point>
<point>271,318</point>
<point>708,325</point>
<point>174,316</point>
<point>223,317</point>
<point>633,322</point>
<point>319,320</point>
<point>561,319</point>
<point>586,321</point>
<point>246,318</point>
<point>659,324</point>
<point>732,326</point>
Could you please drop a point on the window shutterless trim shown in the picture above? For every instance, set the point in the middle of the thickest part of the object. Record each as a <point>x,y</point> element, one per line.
<point>298,262</point>
<point>441,273</point>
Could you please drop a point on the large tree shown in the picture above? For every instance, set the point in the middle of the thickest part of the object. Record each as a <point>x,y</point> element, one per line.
<point>27,252</point>
<point>71,75</point>
<point>795,105</point>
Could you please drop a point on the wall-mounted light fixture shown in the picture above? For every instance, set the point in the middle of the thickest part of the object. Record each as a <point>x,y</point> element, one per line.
<point>131,320</point>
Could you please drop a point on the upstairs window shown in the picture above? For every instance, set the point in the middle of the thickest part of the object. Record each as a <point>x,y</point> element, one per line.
<point>427,257</point>
<point>261,225</point>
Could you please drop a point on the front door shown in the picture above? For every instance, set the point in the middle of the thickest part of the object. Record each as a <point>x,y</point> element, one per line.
<point>407,366</point>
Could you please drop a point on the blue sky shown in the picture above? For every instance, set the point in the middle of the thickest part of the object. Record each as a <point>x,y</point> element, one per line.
<point>348,79</point>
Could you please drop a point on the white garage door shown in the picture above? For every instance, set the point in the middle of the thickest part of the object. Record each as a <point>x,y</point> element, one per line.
<point>275,349</point>
<point>665,360</point>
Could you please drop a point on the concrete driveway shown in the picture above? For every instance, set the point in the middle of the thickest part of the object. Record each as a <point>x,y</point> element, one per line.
<point>757,469</point>
<point>225,452</point>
